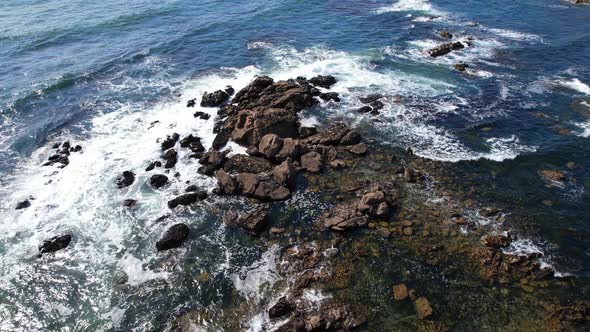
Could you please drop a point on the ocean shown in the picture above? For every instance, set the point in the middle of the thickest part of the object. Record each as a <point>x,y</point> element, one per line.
<point>100,74</point>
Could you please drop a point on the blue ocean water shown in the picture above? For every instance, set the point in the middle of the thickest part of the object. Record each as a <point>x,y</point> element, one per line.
<point>98,73</point>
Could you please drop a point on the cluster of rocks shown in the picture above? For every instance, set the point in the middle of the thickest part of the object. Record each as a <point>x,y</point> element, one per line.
<point>375,204</point>
<point>446,48</point>
<point>372,104</point>
<point>62,154</point>
<point>421,304</point>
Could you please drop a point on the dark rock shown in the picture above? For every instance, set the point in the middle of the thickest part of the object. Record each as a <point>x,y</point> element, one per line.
<point>193,143</point>
<point>23,205</point>
<point>253,222</point>
<point>461,66</point>
<point>153,165</point>
<point>202,115</point>
<point>351,138</point>
<point>330,96</point>
<point>264,189</point>
<point>158,180</point>
<point>130,202</point>
<point>253,151</point>
<point>171,158</point>
<point>364,109</point>
<point>126,179</point>
<point>54,244</point>
<point>377,105</point>
<point>495,241</point>
<point>251,126</point>
<point>76,148</point>
<point>170,141</point>
<point>174,237</point>
<point>214,99</point>
<point>446,34</point>
<point>281,308</point>
<point>330,136</point>
<point>445,49</point>
<point>229,90</point>
<point>192,187</point>
<point>307,131</point>
<point>323,81</point>
<point>187,199</point>
<point>370,98</point>
<point>191,103</point>
<point>240,163</point>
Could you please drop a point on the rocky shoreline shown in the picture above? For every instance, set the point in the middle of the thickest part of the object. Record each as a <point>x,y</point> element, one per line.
<point>379,199</point>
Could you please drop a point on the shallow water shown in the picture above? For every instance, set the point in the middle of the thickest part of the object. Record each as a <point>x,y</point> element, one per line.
<point>99,74</point>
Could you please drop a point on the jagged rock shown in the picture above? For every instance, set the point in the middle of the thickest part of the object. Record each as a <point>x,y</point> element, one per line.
<point>214,99</point>
<point>187,199</point>
<point>202,115</point>
<point>153,165</point>
<point>330,96</point>
<point>330,136</point>
<point>170,141</point>
<point>364,109</point>
<point>263,93</point>
<point>248,183</point>
<point>290,149</point>
<point>400,292</point>
<point>54,244</point>
<point>171,158</point>
<point>307,131</point>
<point>343,217</point>
<point>229,90</point>
<point>211,161</point>
<point>251,126</point>
<point>227,185</point>
<point>158,180</point>
<point>323,81</point>
<point>495,241</point>
<point>264,189</point>
<point>252,223</point>
<point>461,66</point>
<point>23,205</point>
<point>337,164</point>
<point>370,201</point>
<point>281,308</point>
<point>284,174</point>
<point>358,149</point>
<point>174,237</point>
<point>382,210</point>
<point>126,179</point>
<point>351,138</point>
<point>270,145</point>
<point>191,103</point>
<point>312,162</point>
<point>445,49</point>
<point>253,151</point>
<point>240,163</point>
<point>550,175</point>
<point>423,308</point>
<point>193,143</point>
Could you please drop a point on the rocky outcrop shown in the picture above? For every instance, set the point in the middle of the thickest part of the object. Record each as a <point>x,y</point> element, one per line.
<point>214,99</point>
<point>158,180</point>
<point>23,204</point>
<point>174,237</point>
<point>170,141</point>
<point>323,81</point>
<point>54,244</point>
<point>253,222</point>
<point>187,199</point>
<point>357,213</point>
<point>445,49</point>
<point>62,154</point>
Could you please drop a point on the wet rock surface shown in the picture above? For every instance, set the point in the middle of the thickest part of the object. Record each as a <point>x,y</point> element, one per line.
<point>174,237</point>
<point>54,244</point>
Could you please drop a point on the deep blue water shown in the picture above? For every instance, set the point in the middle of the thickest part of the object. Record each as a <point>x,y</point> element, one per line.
<point>77,70</point>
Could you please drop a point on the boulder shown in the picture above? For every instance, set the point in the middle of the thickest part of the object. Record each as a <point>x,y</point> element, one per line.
<point>263,93</point>
<point>264,189</point>
<point>226,184</point>
<point>323,81</point>
<point>290,149</point>
<point>158,180</point>
<point>250,126</point>
<point>214,99</point>
<point>247,183</point>
<point>191,102</point>
<point>54,244</point>
<point>307,131</point>
<point>284,174</point>
<point>193,143</point>
<point>252,223</point>
<point>330,136</point>
<point>211,161</point>
<point>351,138</point>
<point>358,149</point>
<point>370,98</point>
<point>445,49</point>
<point>153,165</point>
<point>446,34</point>
<point>171,158</point>
<point>174,237</point>
<point>23,205</point>
<point>461,66</point>
<point>282,307</point>
<point>400,292</point>
<point>170,141</point>
<point>364,109</point>
<point>312,162</point>
<point>423,308</point>
<point>270,145</point>
<point>130,202</point>
<point>279,194</point>
<point>550,175</point>
<point>240,163</point>
<point>126,179</point>
<point>330,96</point>
<point>187,199</point>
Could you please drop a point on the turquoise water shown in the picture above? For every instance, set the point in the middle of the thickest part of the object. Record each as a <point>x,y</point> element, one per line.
<point>98,74</point>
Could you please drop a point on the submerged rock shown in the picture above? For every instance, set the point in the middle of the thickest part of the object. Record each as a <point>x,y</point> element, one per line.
<point>312,162</point>
<point>126,179</point>
<point>174,237</point>
<point>54,244</point>
<point>343,217</point>
<point>400,292</point>
<point>461,66</point>
<point>423,308</point>
<point>130,202</point>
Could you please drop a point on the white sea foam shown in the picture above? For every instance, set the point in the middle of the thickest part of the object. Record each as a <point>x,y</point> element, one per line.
<point>585,127</point>
<point>515,35</point>
<point>411,5</point>
<point>573,84</point>
<point>254,281</point>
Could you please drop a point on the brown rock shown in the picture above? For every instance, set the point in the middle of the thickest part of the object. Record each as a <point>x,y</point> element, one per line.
<point>284,174</point>
<point>290,149</point>
<point>279,194</point>
<point>241,163</point>
<point>343,217</point>
<point>312,162</point>
<point>270,145</point>
<point>226,184</point>
<point>253,222</point>
<point>358,149</point>
<point>423,308</point>
<point>400,292</point>
<point>247,183</point>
